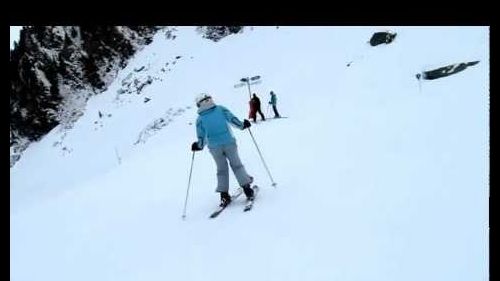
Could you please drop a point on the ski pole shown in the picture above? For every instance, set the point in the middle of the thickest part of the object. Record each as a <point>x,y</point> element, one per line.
<point>262,158</point>
<point>189,184</point>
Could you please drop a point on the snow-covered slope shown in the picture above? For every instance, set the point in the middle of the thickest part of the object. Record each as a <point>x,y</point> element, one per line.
<point>378,178</point>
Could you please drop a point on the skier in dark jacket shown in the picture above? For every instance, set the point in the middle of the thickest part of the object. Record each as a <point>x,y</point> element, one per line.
<point>255,104</point>
<point>212,128</point>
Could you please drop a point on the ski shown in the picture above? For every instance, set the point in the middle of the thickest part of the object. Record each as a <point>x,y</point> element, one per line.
<point>272,118</point>
<point>249,202</point>
<point>219,210</point>
<point>267,120</point>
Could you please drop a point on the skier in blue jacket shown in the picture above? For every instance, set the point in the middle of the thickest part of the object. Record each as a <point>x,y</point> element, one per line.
<point>213,130</point>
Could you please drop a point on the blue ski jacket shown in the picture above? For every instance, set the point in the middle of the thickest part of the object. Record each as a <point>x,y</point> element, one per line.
<point>212,126</point>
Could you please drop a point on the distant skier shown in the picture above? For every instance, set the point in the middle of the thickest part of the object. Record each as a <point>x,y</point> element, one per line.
<point>212,129</point>
<point>252,114</point>
<point>255,106</point>
<point>273,102</point>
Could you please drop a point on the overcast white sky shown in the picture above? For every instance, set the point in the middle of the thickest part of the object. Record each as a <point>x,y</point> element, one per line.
<point>14,35</point>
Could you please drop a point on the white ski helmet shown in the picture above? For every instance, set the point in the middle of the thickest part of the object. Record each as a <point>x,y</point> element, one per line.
<point>202,98</point>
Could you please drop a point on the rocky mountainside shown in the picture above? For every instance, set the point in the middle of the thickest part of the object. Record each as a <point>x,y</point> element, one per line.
<point>54,70</point>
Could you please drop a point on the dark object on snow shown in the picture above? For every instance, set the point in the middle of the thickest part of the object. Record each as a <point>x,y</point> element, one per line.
<point>215,33</point>
<point>445,71</point>
<point>139,69</point>
<point>382,37</point>
<point>146,99</point>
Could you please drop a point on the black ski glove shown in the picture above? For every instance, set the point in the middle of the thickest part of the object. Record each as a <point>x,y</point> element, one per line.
<point>246,124</point>
<point>195,147</point>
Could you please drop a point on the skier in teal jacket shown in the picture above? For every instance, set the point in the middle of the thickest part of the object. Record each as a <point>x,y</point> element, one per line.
<point>273,102</point>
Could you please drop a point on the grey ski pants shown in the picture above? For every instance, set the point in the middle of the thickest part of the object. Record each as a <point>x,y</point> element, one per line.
<point>221,155</point>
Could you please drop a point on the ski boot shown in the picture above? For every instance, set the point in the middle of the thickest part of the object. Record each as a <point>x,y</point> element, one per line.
<point>225,199</point>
